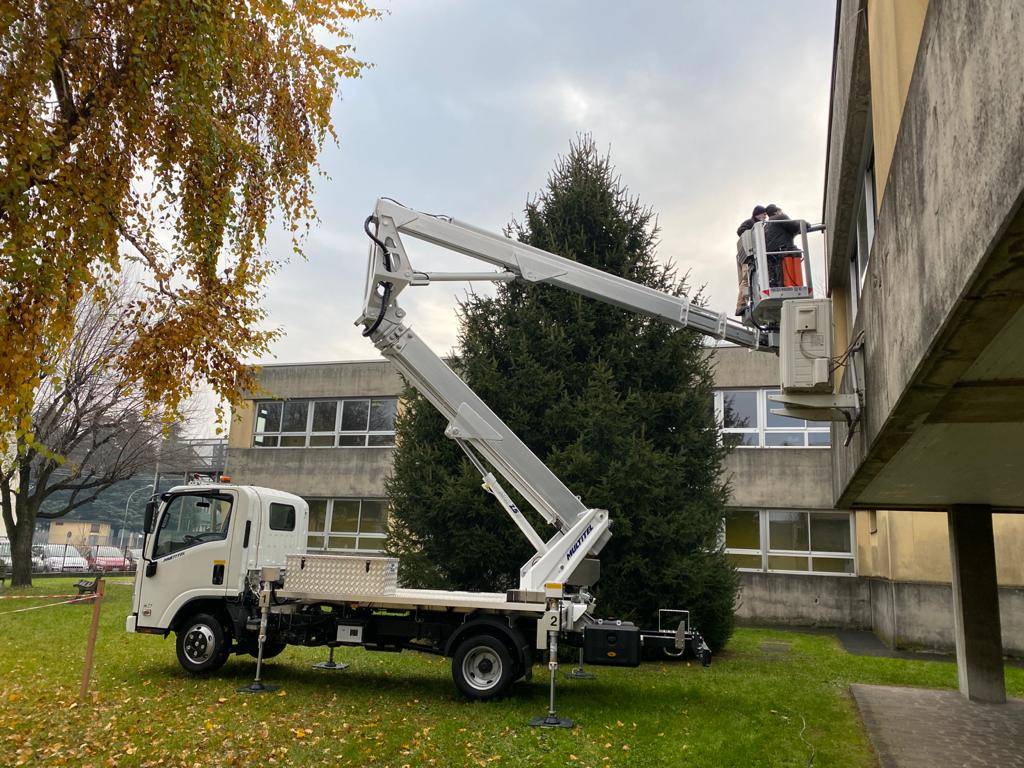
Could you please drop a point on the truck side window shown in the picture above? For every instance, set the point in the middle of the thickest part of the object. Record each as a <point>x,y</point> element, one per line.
<point>282,517</point>
<point>192,519</point>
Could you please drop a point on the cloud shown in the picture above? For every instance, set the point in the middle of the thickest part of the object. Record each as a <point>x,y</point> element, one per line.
<point>707,109</point>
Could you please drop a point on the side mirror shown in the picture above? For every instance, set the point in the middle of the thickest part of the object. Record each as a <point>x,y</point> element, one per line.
<point>147,521</point>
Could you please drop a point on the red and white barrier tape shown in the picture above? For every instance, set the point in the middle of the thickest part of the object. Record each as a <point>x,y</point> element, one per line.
<point>34,597</point>
<point>82,599</point>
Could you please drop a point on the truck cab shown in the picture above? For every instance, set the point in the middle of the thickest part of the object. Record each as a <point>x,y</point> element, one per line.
<point>202,542</point>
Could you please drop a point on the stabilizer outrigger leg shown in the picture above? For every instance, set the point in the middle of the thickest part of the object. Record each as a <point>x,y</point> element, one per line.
<point>257,685</point>
<point>552,720</point>
<point>579,673</point>
<point>330,664</point>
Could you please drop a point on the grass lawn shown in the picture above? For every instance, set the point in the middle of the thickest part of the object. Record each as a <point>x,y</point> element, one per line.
<point>748,709</point>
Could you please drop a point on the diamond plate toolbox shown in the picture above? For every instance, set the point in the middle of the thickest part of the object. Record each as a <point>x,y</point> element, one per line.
<point>341,574</point>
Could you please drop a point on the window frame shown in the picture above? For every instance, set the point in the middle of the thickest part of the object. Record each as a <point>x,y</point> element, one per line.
<point>765,551</point>
<point>336,434</point>
<point>166,513</point>
<point>762,430</point>
<point>292,517</point>
<point>326,534</point>
<point>865,212</point>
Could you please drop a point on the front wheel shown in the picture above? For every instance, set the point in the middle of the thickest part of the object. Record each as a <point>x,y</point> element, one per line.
<point>202,644</point>
<point>271,648</point>
<point>482,667</point>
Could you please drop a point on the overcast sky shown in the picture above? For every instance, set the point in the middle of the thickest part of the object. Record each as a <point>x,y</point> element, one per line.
<point>707,109</point>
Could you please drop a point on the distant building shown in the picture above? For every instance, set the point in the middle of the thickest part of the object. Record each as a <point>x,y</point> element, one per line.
<point>79,533</point>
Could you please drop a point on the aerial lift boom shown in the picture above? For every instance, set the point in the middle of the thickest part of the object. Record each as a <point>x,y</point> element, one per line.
<point>582,532</point>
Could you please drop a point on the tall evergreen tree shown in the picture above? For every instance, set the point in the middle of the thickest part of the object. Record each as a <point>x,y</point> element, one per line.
<point>618,405</point>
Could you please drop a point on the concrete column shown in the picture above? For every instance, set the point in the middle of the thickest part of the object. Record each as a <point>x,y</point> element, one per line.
<point>979,644</point>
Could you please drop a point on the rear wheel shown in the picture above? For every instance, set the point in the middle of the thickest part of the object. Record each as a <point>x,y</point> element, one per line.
<point>202,644</point>
<point>482,667</point>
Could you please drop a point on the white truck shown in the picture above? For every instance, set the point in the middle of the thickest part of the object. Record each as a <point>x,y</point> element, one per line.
<point>225,567</point>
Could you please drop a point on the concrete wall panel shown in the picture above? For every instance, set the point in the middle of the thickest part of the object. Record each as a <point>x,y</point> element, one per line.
<point>738,367</point>
<point>908,615</point>
<point>355,379</point>
<point>829,601</point>
<point>882,610</point>
<point>796,478</point>
<point>925,617</point>
<point>312,472</point>
<point>848,121</point>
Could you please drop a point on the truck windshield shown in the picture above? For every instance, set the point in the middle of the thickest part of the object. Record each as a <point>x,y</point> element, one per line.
<point>192,519</point>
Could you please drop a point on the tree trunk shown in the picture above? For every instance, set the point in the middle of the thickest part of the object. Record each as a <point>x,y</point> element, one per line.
<point>21,545</point>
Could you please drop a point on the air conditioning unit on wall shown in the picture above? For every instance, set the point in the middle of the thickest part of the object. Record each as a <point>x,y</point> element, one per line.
<point>805,346</point>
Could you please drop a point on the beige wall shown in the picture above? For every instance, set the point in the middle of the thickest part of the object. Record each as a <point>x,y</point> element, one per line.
<point>240,431</point>
<point>80,533</point>
<point>914,546</point>
<point>894,31</point>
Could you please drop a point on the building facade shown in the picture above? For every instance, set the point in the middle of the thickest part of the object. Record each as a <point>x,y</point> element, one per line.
<point>323,431</point>
<point>326,432</point>
<point>925,250</point>
<point>805,563</point>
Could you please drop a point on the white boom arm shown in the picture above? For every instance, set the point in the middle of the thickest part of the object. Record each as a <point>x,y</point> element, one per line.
<point>581,531</point>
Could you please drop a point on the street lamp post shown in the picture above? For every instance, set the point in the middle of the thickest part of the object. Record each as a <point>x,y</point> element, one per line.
<point>124,523</point>
<point>64,559</point>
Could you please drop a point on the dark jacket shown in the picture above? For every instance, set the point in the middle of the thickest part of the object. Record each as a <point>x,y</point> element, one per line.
<point>779,233</point>
<point>744,227</point>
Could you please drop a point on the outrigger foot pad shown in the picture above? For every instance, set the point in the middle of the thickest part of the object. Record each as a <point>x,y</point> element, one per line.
<point>257,687</point>
<point>330,665</point>
<point>578,673</point>
<point>551,721</point>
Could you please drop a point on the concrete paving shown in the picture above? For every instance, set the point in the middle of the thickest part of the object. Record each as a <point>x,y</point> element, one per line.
<point>924,728</point>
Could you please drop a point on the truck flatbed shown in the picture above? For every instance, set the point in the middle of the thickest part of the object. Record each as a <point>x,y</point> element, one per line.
<point>432,599</point>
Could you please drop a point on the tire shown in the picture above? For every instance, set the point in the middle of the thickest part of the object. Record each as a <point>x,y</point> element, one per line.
<point>202,644</point>
<point>482,668</point>
<point>271,648</point>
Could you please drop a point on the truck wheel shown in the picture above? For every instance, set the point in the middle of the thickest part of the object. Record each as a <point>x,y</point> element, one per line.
<point>482,667</point>
<point>271,648</point>
<point>202,644</point>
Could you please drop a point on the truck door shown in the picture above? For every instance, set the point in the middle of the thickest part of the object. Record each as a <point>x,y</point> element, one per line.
<point>187,556</point>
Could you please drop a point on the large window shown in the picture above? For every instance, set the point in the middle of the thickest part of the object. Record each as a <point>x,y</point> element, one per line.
<point>349,423</point>
<point>192,519</point>
<point>790,541</point>
<point>746,420</point>
<point>352,525</point>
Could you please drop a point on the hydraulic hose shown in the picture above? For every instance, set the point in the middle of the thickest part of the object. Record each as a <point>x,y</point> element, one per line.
<point>377,241</point>
<point>385,286</point>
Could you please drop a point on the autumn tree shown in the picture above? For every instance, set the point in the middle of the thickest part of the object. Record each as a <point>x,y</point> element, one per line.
<point>167,135</point>
<point>617,404</point>
<point>93,427</point>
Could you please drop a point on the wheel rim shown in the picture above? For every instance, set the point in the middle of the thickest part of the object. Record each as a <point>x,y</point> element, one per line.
<point>199,644</point>
<point>674,653</point>
<point>482,668</point>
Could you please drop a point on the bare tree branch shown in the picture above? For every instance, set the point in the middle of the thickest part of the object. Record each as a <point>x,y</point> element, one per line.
<point>92,427</point>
